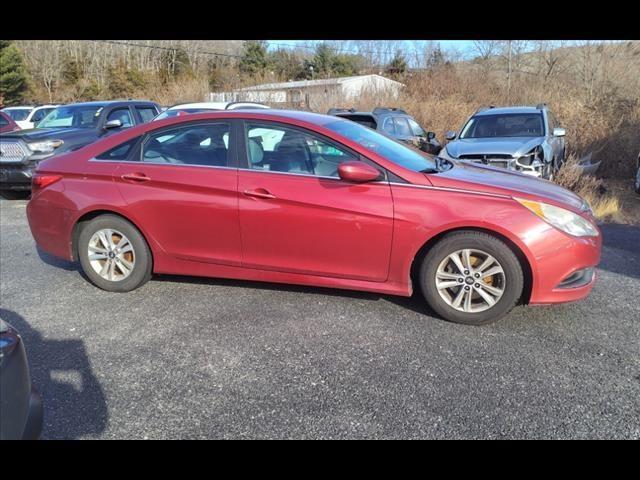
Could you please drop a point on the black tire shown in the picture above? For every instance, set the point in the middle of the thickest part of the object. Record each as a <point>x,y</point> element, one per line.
<point>143,265</point>
<point>514,278</point>
<point>15,194</point>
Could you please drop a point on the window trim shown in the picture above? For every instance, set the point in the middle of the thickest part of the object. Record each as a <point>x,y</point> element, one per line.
<point>244,164</point>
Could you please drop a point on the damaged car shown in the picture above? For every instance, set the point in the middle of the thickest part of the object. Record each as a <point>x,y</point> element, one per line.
<point>524,139</point>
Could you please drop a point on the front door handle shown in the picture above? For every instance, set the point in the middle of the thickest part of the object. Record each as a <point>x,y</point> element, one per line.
<point>259,193</point>
<point>135,177</point>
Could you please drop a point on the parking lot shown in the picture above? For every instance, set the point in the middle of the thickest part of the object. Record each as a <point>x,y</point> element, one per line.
<point>207,358</point>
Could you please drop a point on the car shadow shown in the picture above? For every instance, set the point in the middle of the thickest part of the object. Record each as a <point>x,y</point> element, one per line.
<point>74,402</point>
<point>57,261</point>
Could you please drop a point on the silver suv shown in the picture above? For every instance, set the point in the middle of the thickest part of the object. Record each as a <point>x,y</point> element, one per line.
<point>524,139</point>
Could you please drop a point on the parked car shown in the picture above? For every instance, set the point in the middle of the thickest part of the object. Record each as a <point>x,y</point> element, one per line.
<point>66,128</point>
<point>185,108</point>
<point>637,182</point>
<point>28,117</point>
<point>7,124</point>
<point>20,403</point>
<point>317,200</point>
<point>394,122</point>
<point>523,139</point>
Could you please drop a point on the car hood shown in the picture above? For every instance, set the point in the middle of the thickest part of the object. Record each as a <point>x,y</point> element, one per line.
<point>515,146</point>
<point>35,134</point>
<point>487,179</point>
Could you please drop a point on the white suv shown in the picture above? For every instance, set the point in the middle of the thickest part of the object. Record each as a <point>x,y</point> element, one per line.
<point>206,107</point>
<point>28,117</point>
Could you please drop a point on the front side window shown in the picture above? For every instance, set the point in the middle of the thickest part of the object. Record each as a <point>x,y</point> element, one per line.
<point>146,113</point>
<point>507,125</point>
<point>282,149</point>
<point>416,129</point>
<point>402,127</point>
<point>122,114</point>
<point>384,146</point>
<point>78,116</point>
<point>200,144</point>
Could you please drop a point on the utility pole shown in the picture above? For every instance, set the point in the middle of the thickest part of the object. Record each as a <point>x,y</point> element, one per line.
<point>509,74</point>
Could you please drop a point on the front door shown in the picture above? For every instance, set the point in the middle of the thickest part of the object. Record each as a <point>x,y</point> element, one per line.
<point>297,215</point>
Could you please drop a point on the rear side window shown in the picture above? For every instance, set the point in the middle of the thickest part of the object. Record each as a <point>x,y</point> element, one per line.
<point>147,113</point>
<point>3,121</point>
<point>389,127</point>
<point>40,114</point>
<point>121,152</point>
<point>204,144</point>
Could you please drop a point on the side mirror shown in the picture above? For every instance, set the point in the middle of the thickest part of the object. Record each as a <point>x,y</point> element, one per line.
<point>559,132</point>
<point>113,124</point>
<point>357,172</point>
<point>431,136</point>
<point>450,135</point>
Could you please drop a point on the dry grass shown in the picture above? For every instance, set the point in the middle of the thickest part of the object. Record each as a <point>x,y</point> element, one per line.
<point>606,206</point>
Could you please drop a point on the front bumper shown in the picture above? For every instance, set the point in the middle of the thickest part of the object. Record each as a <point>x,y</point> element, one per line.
<point>16,177</point>
<point>33,427</point>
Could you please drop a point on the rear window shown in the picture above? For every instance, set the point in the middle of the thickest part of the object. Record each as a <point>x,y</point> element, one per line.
<point>366,120</point>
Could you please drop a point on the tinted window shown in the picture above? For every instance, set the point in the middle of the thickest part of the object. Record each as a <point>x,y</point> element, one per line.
<point>389,126</point>
<point>147,113</point>
<point>402,127</point>
<point>416,129</point>
<point>282,149</point>
<point>122,114</point>
<point>73,116</point>
<point>40,114</point>
<point>121,152</point>
<point>3,121</point>
<point>507,125</point>
<point>392,150</point>
<point>18,114</point>
<point>201,144</point>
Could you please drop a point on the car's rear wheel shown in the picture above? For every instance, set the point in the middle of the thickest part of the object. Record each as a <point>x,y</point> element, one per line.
<point>15,194</point>
<point>113,254</point>
<point>471,277</point>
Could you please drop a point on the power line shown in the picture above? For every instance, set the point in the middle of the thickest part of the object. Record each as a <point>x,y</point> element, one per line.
<point>171,49</point>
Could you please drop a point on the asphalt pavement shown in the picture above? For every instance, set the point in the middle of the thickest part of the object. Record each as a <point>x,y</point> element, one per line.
<point>209,358</point>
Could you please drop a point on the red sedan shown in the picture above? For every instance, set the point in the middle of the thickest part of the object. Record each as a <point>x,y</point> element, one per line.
<point>297,197</point>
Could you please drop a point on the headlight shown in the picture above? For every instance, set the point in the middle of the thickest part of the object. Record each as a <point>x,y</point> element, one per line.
<point>561,218</point>
<point>47,146</point>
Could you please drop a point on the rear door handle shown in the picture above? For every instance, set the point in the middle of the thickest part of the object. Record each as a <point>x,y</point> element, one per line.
<point>135,177</point>
<point>259,193</point>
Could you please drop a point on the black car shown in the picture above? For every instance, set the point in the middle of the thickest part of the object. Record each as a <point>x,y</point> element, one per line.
<point>395,123</point>
<point>21,409</point>
<point>67,128</point>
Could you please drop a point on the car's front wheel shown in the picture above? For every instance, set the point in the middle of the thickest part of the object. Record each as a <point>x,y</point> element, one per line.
<point>471,277</point>
<point>113,254</point>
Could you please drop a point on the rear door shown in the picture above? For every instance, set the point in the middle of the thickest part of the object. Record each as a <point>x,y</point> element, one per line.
<point>181,185</point>
<point>297,215</point>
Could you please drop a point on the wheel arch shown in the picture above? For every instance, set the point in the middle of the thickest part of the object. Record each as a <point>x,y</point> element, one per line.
<point>90,215</point>
<point>517,251</point>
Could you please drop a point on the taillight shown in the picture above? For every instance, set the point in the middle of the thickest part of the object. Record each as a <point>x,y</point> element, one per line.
<point>43,180</point>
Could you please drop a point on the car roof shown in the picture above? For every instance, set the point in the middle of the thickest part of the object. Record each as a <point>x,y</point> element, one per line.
<point>22,107</point>
<point>107,103</point>
<point>506,110</point>
<point>217,105</point>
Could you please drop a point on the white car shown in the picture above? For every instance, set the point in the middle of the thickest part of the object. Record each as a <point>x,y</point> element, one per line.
<point>206,107</point>
<point>28,117</point>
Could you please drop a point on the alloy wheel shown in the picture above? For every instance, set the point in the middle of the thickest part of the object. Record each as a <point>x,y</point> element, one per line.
<point>111,254</point>
<point>470,280</point>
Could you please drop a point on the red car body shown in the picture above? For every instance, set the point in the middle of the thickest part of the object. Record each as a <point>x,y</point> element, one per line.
<point>256,225</point>
<point>7,124</point>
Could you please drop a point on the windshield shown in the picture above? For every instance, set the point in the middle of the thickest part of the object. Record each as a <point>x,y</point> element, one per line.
<point>73,116</point>
<point>507,125</point>
<point>18,114</point>
<point>396,152</point>
<point>182,111</point>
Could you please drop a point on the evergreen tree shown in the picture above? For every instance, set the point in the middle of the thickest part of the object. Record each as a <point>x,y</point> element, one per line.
<point>397,65</point>
<point>13,76</point>
<point>254,57</point>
